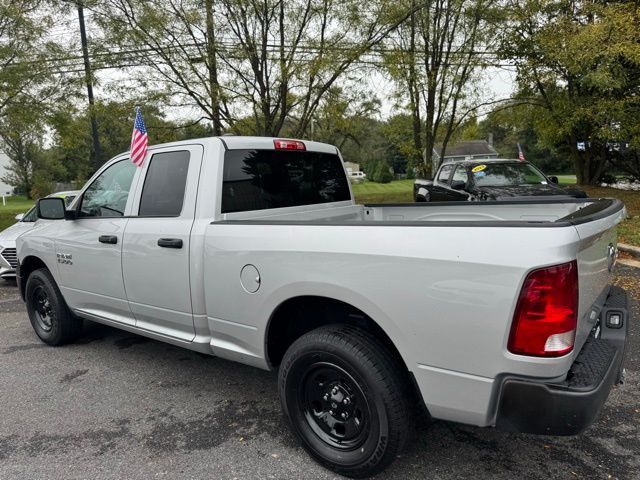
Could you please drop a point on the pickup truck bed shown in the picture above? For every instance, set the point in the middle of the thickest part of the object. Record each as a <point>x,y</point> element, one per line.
<point>253,249</point>
<point>533,213</point>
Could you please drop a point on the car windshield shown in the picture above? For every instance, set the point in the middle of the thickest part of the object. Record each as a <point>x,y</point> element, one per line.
<point>506,174</point>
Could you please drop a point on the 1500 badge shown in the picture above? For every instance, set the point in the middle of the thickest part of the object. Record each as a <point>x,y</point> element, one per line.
<point>65,258</point>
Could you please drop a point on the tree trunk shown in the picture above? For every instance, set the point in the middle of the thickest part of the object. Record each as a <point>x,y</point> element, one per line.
<point>589,165</point>
<point>430,130</point>
<point>414,90</point>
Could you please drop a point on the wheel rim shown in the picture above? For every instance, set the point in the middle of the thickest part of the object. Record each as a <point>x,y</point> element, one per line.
<point>334,406</point>
<point>43,309</point>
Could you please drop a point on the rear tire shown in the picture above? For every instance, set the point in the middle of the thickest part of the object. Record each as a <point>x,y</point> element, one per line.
<point>346,398</point>
<point>49,315</point>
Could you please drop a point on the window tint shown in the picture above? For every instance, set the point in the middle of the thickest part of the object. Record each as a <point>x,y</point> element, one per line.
<point>445,171</point>
<point>164,186</point>
<point>461,174</point>
<point>261,179</point>
<point>107,195</point>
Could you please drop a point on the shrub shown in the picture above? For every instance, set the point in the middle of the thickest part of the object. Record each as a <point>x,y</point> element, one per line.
<point>41,187</point>
<point>608,179</point>
<point>381,173</point>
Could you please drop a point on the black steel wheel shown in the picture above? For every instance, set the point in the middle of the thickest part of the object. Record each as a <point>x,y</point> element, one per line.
<point>334,405</point>
<point>346,398</point>
<point>50,318</point>
<point>43,311</point>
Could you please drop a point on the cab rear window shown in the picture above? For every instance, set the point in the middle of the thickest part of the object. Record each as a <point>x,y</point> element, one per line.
<point>262,179</point>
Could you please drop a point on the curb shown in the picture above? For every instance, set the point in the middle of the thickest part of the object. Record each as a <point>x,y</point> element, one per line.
<point>630,249</point>
<point>629,263</point>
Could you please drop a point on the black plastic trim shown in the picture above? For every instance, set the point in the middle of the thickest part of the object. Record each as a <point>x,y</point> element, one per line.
<point>19,282</point>
<point>569,407</point>
<point>610,207</point>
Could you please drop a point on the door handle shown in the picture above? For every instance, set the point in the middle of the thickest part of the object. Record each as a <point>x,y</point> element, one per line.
<point>170,242</point>
<point>108,239</point>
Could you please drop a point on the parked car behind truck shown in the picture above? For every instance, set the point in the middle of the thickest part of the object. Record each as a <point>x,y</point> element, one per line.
<point>490,179</point>
<point>491,314</point>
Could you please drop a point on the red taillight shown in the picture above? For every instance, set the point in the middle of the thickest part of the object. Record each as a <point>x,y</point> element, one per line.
<point>289,145</point>
<point>544,324</point>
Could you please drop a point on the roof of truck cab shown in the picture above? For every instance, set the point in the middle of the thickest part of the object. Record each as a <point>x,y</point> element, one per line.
<point>233,142</point>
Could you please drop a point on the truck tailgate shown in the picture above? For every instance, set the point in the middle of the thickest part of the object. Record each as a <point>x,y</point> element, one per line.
<point>597,251</point>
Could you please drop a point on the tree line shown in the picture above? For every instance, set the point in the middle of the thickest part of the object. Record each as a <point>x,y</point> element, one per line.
<point>299,68</point>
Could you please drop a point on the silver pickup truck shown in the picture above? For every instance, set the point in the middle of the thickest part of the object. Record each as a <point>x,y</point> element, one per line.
<point>253,250</point>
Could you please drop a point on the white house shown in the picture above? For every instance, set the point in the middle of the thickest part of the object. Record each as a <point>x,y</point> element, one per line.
<point>4,188</point>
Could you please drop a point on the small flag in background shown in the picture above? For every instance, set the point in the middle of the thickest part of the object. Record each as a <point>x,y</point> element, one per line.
<point>139,140</point>
<point>520,154</point>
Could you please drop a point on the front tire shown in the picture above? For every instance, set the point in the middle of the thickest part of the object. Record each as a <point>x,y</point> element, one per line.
<point>50,318</point>
<point>345,396</point>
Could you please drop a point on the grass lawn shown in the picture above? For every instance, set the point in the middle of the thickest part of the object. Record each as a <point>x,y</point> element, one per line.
<point>15,205</point>
<point>629,230</point>
<point>566,179</point>
<point>401,191</point>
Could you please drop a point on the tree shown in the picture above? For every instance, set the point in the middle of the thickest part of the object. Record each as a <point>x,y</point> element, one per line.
<point>579,62</point>
<point>26,71</point>
<point>273,59</point>
<point>21,140</point>
<point>433,57</point>
<point>176,41</point>
<point>71,138</point>
<point>514,123</point>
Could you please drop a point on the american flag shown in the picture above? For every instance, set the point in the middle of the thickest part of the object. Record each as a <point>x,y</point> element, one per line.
<point>520,154</point>
<point>139,140</point>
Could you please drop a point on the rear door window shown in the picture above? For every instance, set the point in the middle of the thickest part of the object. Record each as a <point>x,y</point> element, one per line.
<point>164,185</point>
<point>262,179</point>
<point>445,173</point>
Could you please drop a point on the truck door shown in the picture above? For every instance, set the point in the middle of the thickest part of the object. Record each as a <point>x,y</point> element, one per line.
<point>89,248</point>
<point>155,249</point>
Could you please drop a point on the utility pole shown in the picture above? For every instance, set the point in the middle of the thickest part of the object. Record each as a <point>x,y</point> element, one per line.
<point>212,65</point>
<point>95,150</point>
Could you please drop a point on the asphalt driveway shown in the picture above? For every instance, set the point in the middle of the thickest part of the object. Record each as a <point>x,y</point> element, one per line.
<point>116,405</point>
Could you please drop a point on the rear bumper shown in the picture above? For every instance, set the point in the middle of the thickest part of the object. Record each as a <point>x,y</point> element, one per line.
<point>567,408</point>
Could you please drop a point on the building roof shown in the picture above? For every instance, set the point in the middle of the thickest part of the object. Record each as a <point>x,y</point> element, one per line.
<point>467,148</point>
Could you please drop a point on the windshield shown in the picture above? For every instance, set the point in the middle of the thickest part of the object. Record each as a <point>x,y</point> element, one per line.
<point>507,174</point>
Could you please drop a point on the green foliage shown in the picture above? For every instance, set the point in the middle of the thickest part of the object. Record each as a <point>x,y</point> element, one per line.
<point>382,172</point>
<point>42,186</point>
<point>72,142</point>
<point>579,62</point>
<point>516,124</point>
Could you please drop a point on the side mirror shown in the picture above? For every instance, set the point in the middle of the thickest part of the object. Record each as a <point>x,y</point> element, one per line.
<point>458,184</point>
<point>19,217</point>
<point>553,179</point>
<point>51,208</point>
